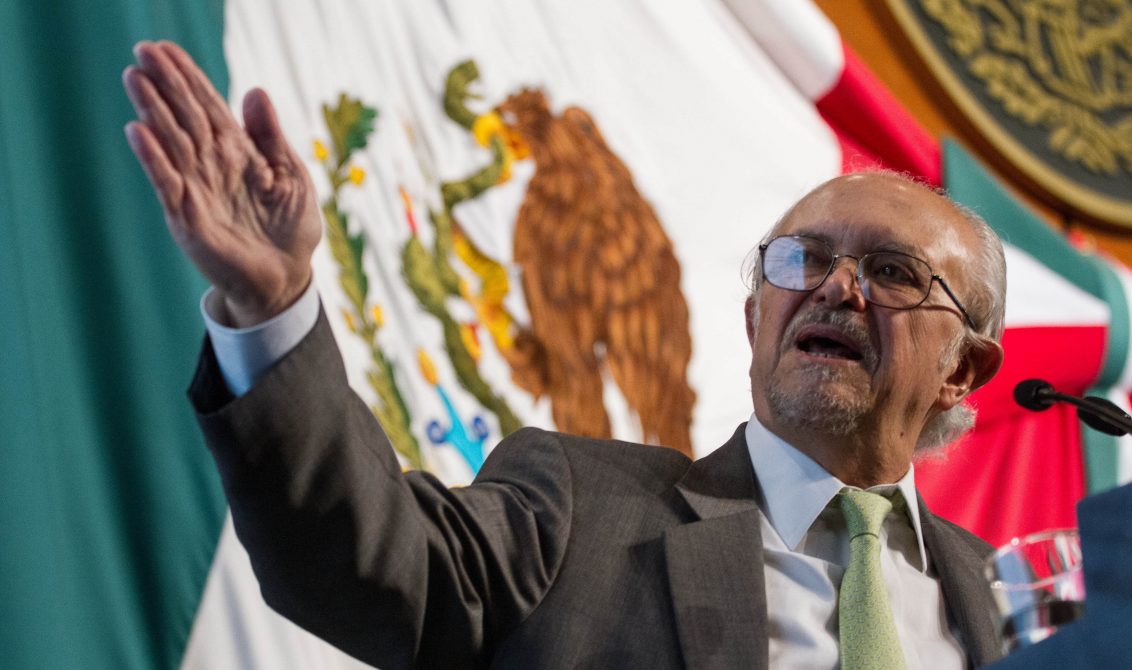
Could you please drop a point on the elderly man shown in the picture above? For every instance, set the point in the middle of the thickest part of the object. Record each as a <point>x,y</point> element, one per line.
<point>799,543</point>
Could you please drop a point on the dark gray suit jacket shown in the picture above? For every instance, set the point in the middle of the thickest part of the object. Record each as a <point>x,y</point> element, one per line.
<point>565,553</point>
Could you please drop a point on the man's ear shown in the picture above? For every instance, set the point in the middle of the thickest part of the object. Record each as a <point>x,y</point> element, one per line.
<point>749,312</point>
<point>977,364</point>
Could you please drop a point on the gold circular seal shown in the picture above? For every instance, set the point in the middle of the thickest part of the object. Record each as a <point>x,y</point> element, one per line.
<point>1047,82</point>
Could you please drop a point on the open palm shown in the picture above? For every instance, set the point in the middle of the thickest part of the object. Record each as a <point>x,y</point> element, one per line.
<point>237,200</point>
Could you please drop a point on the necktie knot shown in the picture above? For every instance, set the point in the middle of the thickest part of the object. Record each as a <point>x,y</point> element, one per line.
<point>864,512</point>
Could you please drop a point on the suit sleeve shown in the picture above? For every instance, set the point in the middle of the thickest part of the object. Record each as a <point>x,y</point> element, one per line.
<point>391,567</point>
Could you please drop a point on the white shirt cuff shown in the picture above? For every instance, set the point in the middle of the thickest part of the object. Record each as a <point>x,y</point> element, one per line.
<point>246,354</point>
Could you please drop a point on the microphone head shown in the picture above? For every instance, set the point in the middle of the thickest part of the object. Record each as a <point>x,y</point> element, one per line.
<point>1104,415</point>
<point>1034,394</point>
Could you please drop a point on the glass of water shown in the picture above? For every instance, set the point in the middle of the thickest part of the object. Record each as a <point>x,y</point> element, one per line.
<point>1038,586</point>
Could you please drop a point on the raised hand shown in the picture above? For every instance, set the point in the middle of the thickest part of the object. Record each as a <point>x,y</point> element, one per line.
<point>238,201</point>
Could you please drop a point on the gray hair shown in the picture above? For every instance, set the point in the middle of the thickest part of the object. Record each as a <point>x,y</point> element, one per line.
<point>986,306</point>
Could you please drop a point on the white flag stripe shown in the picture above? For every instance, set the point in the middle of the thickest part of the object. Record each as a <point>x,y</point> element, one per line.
<point>803,42</point>
<point>719,141</point>
<point>1038,296</point>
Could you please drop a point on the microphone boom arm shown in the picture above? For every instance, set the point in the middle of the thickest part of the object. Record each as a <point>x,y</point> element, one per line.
<point>1096,412</point>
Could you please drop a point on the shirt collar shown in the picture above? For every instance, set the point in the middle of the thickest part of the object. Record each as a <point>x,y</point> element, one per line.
<point>795,489</point>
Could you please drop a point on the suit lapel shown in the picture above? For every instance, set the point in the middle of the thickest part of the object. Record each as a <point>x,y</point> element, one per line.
<point>965,590</point>
<point>715,566</point>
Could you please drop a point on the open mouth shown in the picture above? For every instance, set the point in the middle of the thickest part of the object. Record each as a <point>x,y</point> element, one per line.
<point>826,342</point>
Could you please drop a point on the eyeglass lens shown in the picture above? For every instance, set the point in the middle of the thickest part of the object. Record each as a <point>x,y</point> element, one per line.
<point>887,278</point>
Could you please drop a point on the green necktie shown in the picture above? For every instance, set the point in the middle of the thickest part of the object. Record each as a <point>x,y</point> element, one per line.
<point>868,632</point>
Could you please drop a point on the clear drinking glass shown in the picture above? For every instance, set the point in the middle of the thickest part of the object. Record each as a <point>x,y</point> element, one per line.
<point>1037,585</point>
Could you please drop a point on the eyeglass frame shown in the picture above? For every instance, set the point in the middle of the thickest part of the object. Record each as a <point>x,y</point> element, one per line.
<point>860,280</point>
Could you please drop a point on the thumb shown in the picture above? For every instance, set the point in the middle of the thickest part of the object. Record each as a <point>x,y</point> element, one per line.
<point>263,127</point>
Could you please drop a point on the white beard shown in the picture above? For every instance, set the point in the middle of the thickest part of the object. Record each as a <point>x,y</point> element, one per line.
<point>815,406</point>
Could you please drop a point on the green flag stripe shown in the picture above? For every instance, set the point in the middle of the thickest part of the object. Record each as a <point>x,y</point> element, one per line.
<point>1101,450</point>
<point>1116,349</point>
<point>970,183</point>
<point>109,507</point>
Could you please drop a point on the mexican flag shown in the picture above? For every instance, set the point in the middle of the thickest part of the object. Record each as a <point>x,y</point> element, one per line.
<point>116,549</point>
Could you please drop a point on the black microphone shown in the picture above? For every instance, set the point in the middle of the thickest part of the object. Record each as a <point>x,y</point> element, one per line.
<point>1099,413</point>
<point>1034,394</point>
<point>1105,416</point>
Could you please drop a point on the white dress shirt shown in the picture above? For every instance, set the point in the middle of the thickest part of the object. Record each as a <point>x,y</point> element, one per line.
<point>806,551</point>
<point>805,548</point>
<point>246,354</point>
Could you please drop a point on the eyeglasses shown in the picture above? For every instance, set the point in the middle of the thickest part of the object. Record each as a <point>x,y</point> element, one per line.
<point>887,278</point>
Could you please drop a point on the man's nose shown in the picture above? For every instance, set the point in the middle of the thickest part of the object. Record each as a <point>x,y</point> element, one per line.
<point>840,287</point>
